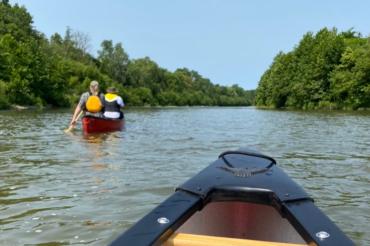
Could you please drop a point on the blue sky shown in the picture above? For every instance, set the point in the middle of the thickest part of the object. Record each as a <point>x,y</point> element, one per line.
<point>229,42</point>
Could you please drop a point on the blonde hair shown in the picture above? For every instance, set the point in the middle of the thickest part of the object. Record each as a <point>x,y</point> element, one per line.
<point>94,86</point>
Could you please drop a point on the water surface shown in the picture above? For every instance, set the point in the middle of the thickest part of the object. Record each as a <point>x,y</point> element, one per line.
<point>62,189</point>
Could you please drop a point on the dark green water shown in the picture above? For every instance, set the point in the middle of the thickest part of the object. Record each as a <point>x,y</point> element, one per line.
<point>61,189</point>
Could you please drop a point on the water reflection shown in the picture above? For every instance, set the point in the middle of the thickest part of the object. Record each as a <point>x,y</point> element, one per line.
<point>100,138</point>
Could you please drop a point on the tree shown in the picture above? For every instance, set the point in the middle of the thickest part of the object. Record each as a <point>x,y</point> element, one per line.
<point>113,60</point>
<point>38,71</point>
<point>81,42</point>
<point>350,81</point>
<point>301,78</point>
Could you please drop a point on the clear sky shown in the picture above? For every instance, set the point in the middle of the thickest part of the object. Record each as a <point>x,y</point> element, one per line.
<point>227,41</point>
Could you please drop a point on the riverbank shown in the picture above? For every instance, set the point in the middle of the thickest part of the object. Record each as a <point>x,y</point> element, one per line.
<point>48,107</point>
<point>312,109</point>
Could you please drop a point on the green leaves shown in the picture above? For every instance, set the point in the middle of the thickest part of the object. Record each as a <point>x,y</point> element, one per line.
<point>325,70</point>
<point>350,80</point>
<point>37,71</point>
<point>4,103</point>
<point>113,60</point>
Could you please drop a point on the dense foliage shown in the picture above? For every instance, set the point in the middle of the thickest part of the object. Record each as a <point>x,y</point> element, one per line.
<point>35,70</point>
<point>328,70</point>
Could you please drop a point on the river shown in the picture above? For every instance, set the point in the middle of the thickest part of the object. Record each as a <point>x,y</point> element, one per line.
<point>61,189</point>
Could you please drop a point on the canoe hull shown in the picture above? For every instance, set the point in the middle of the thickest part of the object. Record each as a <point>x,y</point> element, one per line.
<point>242,195</point>
<point>98,125</point>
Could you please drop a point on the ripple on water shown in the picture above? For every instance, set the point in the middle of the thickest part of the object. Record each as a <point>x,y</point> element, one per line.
<point>62,189</point>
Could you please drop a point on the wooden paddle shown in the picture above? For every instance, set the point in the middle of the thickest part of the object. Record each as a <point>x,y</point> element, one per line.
<point>71,127</point>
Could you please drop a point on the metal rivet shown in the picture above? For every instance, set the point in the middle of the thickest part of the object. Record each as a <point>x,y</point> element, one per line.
<point>163,220</point>
<point>322,235</point>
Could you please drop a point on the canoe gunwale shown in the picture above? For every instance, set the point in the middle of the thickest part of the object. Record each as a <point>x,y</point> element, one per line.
<point>101,118</point>
<point>148,231</point>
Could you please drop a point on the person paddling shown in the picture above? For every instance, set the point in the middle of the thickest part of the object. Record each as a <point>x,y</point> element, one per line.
<point>113,104</point>
<point>91,103</point>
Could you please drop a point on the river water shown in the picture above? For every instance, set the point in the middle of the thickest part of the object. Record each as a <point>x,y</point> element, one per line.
<point>61,189</point>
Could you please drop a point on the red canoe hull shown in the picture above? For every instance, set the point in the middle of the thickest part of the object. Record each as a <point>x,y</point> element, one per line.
<point>97,125</point>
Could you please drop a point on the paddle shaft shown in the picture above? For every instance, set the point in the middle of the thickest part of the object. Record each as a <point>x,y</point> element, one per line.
<point>70,128</point>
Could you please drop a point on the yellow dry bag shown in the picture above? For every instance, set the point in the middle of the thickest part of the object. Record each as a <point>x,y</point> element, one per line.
<point>93,104</point>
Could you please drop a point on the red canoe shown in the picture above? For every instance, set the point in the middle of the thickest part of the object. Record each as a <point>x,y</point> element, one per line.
<point>92,124</point>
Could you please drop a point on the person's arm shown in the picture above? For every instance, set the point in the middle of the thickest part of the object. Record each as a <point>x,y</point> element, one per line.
<point>75,114</point>
<point>78,110</point>
<point>120,102</point>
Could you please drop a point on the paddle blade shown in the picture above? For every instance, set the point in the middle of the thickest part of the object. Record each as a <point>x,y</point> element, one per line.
<point>69,129</point>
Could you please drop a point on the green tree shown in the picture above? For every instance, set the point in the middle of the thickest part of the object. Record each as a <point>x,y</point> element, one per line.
<point>302,78</point>
<point>38,71</point>
<point>113,60</point>
<point>350,81</point>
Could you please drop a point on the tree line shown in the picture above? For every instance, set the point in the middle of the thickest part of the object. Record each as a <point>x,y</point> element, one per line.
<point>36,70</point>
<point>326,70</point>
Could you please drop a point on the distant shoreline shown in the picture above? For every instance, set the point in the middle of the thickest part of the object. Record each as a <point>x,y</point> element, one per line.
<point>22,108</point>
<point>312,110</point>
